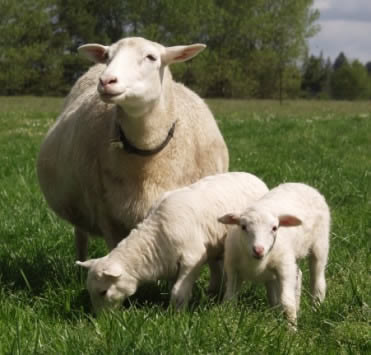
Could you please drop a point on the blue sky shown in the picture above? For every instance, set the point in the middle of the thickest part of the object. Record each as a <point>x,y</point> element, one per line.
<point>345,26</point>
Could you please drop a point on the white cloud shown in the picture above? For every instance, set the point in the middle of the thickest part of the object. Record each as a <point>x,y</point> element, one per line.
<point>322,4</point>
<point>345,27</point>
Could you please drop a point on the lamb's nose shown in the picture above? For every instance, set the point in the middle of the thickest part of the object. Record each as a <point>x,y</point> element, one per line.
<point>258,251</point>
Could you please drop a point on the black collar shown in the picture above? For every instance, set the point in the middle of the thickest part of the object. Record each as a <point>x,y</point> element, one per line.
<point>132,149</point>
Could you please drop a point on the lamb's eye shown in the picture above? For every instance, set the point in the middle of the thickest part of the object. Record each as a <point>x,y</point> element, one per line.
<point>243,227</point>
<point>151,57</point>
<point>274,228</point>
<point>103,293</point>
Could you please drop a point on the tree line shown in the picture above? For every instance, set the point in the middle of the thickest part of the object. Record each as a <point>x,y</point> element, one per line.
<point>342,79</point>
<point>256,48</point>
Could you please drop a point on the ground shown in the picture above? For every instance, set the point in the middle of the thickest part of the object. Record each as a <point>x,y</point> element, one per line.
<point>45,307</point>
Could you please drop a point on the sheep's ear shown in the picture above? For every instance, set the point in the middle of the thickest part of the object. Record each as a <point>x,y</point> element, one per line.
<point>230,218</point>
<point>86,264</point>
<point>289,221</point>
<point>94,52</point>
<point>181,53</point>
<point>113,270</point>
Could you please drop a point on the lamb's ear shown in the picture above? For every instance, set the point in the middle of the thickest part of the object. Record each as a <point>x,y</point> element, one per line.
<point>230,218</point>
<point>289,221</point>
<point>113,270</point>
<point>86,264</point>
<point>94,52</point>
<point>181,53</point>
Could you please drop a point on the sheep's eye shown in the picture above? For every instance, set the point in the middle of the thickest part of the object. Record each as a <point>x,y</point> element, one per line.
<point>274,228</point>
<point>151,57</point>
<point>243,227</point>
<point>103,293</point>
<point>105,56</point>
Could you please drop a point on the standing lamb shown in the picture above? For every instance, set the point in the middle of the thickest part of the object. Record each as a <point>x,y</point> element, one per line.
<point>127,134</point>
<point>286,224</point>
<point>180,234</point>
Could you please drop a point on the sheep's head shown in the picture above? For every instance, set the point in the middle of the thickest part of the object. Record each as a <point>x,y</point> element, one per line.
<point>134,71</point>
<point>259,229</point>
<point>108,283</point>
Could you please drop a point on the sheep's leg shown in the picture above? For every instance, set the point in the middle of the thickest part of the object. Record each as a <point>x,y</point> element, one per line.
<point>111,236</point>
<point>81,242</point>
<point>317,266</point>
<point>216,276</point>
<point>299,276</point>
<point>182,289</point>
<point>272,288</point>
<point>288,290</point>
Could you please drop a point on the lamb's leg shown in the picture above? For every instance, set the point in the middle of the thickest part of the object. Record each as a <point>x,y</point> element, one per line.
<point>299,277</point>
<point>234,282</point>
<point>317,266</point>
<point>81,242</point>
<point>288,289</point>
<point>216,276</point>
<point>182,289</point>
<point>273,292</point>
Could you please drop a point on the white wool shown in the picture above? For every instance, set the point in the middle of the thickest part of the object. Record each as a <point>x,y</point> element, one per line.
<point>179,236</point>
<point>255,251</point>
<point>85,174</point>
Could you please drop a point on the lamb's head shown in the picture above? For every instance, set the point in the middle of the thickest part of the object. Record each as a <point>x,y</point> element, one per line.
<point>134,71</point>
<point>259,229</point>
<point>108,283</point>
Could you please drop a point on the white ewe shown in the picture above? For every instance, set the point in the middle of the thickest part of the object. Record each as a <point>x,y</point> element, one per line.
<point>286,224</point>
<point>180,234</point>
<point>127,134</point>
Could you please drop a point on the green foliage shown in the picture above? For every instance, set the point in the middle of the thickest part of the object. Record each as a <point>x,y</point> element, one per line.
<point>340,60</point>
<point>45,307</point>
<point>368,67</point>
<point>253,47</point>
<point>316,76</point>
<point>29,63</point>
<point>351,81</point>
<point>343,80</point>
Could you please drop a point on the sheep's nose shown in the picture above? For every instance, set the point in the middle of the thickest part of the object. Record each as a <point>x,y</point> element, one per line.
<point>258,251</point>
<point>104,81</point>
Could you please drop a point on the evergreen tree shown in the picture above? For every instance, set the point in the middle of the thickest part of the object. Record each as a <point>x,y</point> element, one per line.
<point>368,67</point>
<point>350,82</point>
<point>340,60</point>
<point>314,76</point>
<point>29,63</point>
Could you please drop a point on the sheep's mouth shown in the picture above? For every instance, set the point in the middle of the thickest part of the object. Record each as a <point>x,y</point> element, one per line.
<point>105,95</point>
<point>258,257</point>
<point>110,97</point>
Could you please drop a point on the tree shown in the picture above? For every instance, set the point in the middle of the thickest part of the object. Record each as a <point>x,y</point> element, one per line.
<point>340,60</point>
<point>29,63</point>
<point>253,46</point>
<point>316,76</point>
<point>368,67</point>
<point>350,82</point>
<point>292,23</point>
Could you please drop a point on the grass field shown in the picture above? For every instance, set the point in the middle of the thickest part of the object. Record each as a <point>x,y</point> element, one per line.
<point>45,308</point>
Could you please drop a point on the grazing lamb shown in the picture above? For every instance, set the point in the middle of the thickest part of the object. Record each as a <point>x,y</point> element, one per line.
<point>127,134</point>
<point>286,224</point>
<point>180,234</point>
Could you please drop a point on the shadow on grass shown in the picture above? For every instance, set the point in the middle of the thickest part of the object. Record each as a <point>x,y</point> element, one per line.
<point>23,272</point>
<point>45,281</point>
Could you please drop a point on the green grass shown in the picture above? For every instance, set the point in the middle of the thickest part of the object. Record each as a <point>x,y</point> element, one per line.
<point>45,308</point>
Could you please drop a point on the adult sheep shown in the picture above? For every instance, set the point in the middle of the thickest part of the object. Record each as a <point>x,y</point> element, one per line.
<point>127,133</point>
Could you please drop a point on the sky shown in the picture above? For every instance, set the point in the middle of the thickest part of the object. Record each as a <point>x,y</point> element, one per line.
<point>345,27</point>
